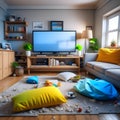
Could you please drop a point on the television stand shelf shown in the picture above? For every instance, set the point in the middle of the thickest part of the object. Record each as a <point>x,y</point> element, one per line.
<point>53,63</point>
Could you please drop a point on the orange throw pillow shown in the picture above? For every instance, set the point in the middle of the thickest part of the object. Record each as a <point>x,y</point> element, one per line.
<point>109,55</point>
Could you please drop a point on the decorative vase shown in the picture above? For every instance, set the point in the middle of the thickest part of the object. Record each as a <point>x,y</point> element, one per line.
<point>28,53</point>
<point>78,53</point>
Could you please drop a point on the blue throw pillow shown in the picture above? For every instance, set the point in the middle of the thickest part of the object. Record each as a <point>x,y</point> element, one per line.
<point>32,80</point>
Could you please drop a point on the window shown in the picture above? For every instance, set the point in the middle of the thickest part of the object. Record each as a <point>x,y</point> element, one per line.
<point>113,29</point>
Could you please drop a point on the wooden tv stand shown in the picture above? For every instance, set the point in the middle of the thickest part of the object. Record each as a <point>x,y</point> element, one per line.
<point>53,63</point>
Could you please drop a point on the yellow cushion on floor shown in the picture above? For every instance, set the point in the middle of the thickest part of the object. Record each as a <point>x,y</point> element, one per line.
<point>38,98</point>
<point>109,55</point>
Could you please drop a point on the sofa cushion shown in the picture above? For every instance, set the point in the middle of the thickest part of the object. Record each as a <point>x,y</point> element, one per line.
<point>109,55</point>
<point>102,66</point>
<point>93,63</point>
<point>113,73</point>
<point>105,66</point>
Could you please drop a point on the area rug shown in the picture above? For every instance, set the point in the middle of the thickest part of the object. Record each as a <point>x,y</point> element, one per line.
<point>78,105</point>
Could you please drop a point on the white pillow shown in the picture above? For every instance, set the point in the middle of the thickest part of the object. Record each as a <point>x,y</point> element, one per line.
<point>65,76</point>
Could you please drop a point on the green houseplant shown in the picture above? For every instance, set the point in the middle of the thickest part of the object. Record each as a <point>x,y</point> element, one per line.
<point>27,47</point>
<point>79,49</point>
<point>17,69</point>
<point>94,44</point>
<point>15,64</point>
<point>113,43</point>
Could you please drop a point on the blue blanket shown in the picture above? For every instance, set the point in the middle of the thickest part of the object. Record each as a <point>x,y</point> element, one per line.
<point>97,89</point>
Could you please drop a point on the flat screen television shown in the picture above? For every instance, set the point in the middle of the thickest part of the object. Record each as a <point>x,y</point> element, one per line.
<point>54,41</point>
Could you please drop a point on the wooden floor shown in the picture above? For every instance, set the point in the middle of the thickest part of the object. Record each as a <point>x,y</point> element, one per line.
<point>7,82</point>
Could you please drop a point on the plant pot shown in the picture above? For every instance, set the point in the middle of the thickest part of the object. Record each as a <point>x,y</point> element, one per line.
<point>28,53</point>
<point>78,53</point>
<point>113,45</point>
<point>19,71</point>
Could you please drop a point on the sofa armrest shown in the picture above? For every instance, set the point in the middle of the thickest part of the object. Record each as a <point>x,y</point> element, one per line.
<point>90,57</point>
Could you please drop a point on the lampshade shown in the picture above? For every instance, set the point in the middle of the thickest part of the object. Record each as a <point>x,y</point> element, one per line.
<point>87,34</point>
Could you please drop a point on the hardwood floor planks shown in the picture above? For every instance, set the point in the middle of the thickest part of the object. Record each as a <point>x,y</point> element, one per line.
<point>109,117</point>
<point>87,117</point>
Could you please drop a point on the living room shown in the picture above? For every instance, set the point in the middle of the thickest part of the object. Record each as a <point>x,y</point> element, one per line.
<point>73,17</point>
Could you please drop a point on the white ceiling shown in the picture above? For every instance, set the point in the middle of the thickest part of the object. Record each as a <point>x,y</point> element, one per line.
<point>52,4</point>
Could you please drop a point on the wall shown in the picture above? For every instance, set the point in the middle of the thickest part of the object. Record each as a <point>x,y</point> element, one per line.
<point>73,20</point>
<point>3,12</point>
<point>100,12</point>
<point>1,25</point>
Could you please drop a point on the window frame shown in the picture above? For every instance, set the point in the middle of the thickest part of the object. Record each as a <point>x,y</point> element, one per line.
<point>118,29</point>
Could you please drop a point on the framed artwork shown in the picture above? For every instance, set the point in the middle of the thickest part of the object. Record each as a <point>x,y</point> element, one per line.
<point>56,25</point>
<point>38,25</point>
<point>89,28</point>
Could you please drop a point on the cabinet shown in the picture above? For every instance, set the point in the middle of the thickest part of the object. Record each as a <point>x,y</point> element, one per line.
<point>6,58</point>
<point>11,59</point>
<point>15,30</point>
<point>53,63</point>
<point>5,63</point>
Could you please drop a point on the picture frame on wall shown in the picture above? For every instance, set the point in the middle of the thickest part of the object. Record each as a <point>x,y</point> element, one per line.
<point>38,25</point>
<point>56,25</point>
<point>89,27</point>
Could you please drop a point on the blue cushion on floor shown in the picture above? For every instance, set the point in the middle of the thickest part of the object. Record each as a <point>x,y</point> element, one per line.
<point>32,80</point>
<point>97,89</point>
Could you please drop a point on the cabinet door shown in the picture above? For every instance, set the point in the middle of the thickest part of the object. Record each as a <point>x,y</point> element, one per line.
<point>5,64</point>
<point>11,59</point>
<point>0,65</point>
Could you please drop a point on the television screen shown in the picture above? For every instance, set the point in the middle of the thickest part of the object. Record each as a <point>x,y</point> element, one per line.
<point>54,41</point>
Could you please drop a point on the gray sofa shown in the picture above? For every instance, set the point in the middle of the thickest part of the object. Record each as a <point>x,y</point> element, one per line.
<point>107,71</point>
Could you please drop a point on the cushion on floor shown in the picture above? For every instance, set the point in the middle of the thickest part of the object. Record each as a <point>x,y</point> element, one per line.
<point>65,76</point>
<point>38,98</point>
<point>32,80</point>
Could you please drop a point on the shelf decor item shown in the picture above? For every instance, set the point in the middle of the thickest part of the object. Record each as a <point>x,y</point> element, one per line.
<point>12,18</point>
<point>79,48</point>
<point>15,30</point>
<point>56,25</point>
<point>6,46</point>
<point>27,47</point>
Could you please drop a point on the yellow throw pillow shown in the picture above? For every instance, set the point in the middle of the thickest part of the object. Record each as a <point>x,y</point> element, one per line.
<point>109,55</point>
<point>38,98</point>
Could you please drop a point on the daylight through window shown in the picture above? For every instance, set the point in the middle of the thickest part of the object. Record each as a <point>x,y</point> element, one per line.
<point>113,30</point>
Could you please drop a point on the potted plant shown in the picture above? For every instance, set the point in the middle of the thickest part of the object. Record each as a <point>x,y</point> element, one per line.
<point>15,64</point>
<point>94,44</point>
<point>113,43</point>
<point>27,47</point>
<point>79,49</point>
<point>17,69</point>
